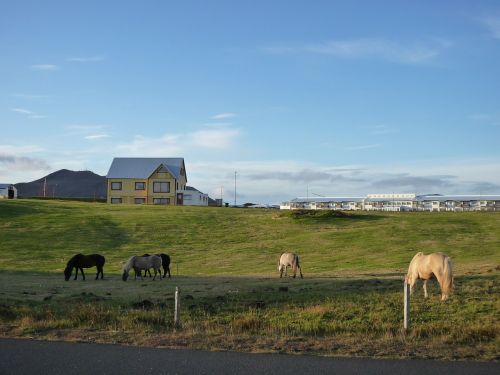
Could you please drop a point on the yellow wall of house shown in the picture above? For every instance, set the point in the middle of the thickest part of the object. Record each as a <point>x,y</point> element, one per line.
<point>128,192</point>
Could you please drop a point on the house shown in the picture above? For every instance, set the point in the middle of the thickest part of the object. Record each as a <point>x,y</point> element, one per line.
<point>193,197</point>
<point>146,181</point>
<point>8,191</point>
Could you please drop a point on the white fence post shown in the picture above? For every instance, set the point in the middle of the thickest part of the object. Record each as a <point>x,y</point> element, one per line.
<point>177,312</point>
<point>406,322</point>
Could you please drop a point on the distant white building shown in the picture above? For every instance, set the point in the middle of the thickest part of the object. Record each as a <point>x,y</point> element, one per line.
<point>193,197</point>
<point>398,202</point>
<point>8,191</point>
<point>324,203</point>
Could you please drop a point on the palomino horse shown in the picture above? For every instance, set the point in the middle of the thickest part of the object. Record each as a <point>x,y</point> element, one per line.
<point>139,264</point>
<point>80,261</point>
<point>289,260</point>
<point>426,267</point>
<point>165,262</point>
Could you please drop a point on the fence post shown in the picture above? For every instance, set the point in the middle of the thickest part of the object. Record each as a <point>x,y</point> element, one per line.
<point>406,323</point>
<point>177,312</point>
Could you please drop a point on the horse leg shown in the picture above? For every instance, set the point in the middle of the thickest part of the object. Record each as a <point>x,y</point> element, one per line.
<point>156,271</point>
<point>425,289</point>
<point>281,272</point>
<point>300,270</point>
<point>76,272</point>
<point>168,269</point>
<point>81,269</point>
<point>97,274</point>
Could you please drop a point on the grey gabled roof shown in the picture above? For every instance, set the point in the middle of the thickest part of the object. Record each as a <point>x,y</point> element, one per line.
<point>463,198</point>
<point>143,167</point>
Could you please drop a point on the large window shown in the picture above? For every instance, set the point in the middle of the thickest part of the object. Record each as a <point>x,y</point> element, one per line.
<point>140,200</point>
<point>116,186</point>
<point>116,200</point>
<point>161,187</point>
<point>140,186</point>
<point>161,200</point>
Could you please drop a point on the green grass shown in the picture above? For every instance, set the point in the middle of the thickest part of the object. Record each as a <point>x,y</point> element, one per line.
<point>224,261</point>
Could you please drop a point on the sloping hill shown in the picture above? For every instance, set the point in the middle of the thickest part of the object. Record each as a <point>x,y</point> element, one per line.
<point>66,184</point>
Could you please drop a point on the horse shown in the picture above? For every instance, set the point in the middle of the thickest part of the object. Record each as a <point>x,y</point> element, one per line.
<point>165,262</point>
<point>426,267</point>
<point>289,260</point>
<point>142,263</point>
<point>80,261</point>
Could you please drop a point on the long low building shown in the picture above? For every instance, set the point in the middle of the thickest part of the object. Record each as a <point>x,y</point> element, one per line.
<point>398,202</point>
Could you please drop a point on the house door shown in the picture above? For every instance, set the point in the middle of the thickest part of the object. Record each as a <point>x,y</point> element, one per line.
<point>180,199</point>
<point>11,193</point>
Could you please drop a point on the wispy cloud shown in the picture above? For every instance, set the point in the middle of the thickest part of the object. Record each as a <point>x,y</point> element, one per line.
<point>85,59</point>
<point>218,138</point>
<point>372,48</point>
<point>14,162</point>
<point>22,110</point>
<point>96,136</point>
<point>222,116</point>
<point>363,147</point>
<point>29,113</point>
<point>29,96</point>
<point>380,130</point>
<point>44,67</point>
<point>492,23</point>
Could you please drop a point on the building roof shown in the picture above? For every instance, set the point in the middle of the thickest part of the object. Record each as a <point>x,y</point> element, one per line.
<point>6,186</point>
<point>143,167</point>
<point>396,199</point>
<point>442,198</point>
<point>327,199</point>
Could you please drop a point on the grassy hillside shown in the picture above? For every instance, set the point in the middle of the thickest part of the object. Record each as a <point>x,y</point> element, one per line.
<point>41,236</point>
<point>224,261</point>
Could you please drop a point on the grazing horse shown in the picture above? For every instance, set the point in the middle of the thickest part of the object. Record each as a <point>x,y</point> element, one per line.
<point>165,262</point>
<point>426,267</point>
<point>289,260</point>
<point>80,261</point>
<point>142,263</point>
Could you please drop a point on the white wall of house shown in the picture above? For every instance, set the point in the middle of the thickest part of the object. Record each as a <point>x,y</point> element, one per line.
<point>194,198</point>
<point>4,191</point>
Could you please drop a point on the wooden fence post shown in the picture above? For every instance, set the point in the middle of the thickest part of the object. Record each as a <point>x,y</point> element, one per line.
<point>406,323</point>
<point>177,312</point>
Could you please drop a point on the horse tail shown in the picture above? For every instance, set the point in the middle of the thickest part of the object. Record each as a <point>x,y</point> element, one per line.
<point>447,278</point>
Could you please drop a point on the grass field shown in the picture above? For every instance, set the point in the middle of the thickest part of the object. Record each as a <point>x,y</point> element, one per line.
<point>224,261</point>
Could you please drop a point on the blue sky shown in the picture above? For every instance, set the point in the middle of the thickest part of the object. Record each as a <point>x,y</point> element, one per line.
<point>330,97</point>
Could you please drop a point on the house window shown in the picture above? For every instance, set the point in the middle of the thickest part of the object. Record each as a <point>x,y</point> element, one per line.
<point>187,197</point>
<point>116,200</point>
<point>161,200</point>
<point>140,186</point>
<point>116,186</point>
<point>140,200</point>
<point>161,187</point>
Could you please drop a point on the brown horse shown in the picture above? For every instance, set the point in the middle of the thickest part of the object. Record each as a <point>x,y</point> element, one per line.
<point>426,267</point>
<point>80,261</point>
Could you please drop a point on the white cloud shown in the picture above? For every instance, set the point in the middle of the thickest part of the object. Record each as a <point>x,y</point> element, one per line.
<point>492,23</point>
<point>44,67</point>
<point>22,110</point>
<point>363,147</point>
<point>15,166</point>
<point>222,116</point>
<point>85,59</point>
<point>29,113</point>
<point>218,138</point>
<point>373,48</point>
<point>96,136</point>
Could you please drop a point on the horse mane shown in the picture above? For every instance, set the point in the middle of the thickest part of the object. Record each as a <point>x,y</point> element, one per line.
<point>129,264</point>
<point>72,261</point>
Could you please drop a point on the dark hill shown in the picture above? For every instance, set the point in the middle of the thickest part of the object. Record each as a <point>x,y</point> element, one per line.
<point>66,184</point>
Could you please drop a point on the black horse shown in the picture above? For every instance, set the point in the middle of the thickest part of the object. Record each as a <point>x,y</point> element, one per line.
<point>165,262</point>
<point>80,261</point>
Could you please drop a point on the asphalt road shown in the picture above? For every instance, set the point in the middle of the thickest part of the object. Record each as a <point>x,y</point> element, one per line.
<point>43,357</point>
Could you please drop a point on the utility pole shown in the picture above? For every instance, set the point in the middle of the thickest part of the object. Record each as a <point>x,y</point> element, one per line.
<point>221,200</point>
<point>235,188</point>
